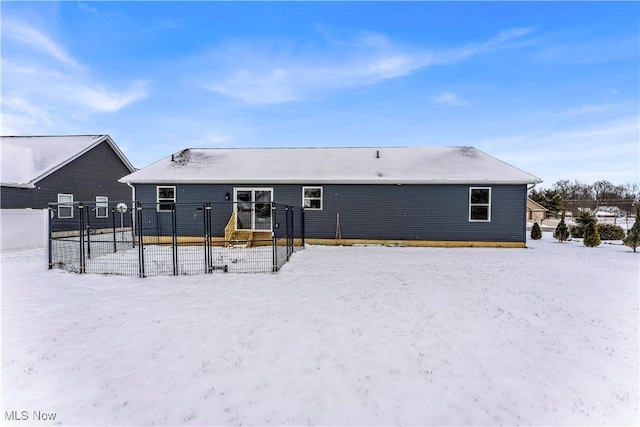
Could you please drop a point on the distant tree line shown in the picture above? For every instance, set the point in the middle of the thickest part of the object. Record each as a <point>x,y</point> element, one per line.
<point>575,196</point>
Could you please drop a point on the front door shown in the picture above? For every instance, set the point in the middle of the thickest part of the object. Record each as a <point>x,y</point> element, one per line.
<point>253,208</point>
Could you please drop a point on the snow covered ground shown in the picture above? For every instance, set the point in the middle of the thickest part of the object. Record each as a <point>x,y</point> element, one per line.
<point>341,336</point>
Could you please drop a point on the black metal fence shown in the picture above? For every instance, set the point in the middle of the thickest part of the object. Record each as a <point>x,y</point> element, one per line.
<point>151,239</point>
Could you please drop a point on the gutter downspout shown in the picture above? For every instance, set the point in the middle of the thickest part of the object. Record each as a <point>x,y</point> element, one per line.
<point>133,217</point>
<point>133,191</point>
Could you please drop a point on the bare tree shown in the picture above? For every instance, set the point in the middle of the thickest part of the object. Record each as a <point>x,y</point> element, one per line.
<point>576,195</point>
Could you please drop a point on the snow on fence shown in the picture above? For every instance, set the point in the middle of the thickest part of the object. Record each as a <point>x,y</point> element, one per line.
<point>149,239</point>
<point>23,228</point>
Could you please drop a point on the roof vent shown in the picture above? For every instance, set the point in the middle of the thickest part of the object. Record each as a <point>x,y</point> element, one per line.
<point>377,154</point>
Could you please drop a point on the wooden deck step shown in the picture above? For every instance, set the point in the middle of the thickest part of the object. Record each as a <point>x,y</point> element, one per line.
<point>241,238</point>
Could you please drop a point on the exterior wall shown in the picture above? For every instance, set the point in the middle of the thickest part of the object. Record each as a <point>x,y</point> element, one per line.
<point>384,212</point>
<point>95,173</point>
<point>23,228</point>
<point>536,212</point>
<point>536,216</point>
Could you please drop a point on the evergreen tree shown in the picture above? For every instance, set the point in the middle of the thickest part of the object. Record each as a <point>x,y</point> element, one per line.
<point>585,217</point>
<point>591,235</point>
<point>536,233</point>
<point>632,238</point>
<point>561,233</point>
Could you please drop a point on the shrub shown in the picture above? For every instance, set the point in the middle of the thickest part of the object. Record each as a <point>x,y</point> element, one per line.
<point>606,231</point>
<point>577,231</point>
<point>632,239</point>
<point>536,233</point>
<point>610,232</point>
<point>561,233</point>
<point>591,235</point>
<point>589,223</point>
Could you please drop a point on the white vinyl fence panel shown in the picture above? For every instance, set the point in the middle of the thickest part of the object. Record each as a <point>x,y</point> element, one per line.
<point>23,228</point>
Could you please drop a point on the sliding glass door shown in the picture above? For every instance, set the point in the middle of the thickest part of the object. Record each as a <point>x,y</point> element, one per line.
<point>253,208</point>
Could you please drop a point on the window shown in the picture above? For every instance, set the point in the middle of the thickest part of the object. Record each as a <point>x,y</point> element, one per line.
<point>253,208</point>
<point>479,204</point>
<point>65,205</point>
<point>102,207</point>
<point>312,198</point>
<point>166,198</point>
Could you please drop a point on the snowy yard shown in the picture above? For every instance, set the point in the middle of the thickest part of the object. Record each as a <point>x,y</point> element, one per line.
<point>341,336</point>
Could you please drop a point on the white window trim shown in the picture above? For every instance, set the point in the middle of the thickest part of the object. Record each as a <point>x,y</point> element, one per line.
<point>164,200</point>
<point>65,204</point>
<point>253,190</point>
<point>253,202</point>
<point>488,205</point>
<point>313,198</point>
<point>102,202</point>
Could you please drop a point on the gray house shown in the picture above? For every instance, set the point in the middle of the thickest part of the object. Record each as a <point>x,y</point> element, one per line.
<point>444,196</point>
<point>38,170</point>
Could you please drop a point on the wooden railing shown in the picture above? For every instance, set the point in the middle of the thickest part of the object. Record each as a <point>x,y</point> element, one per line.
<point>230,228</point>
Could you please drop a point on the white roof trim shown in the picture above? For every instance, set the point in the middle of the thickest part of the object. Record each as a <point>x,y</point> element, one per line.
<point>320,182</point>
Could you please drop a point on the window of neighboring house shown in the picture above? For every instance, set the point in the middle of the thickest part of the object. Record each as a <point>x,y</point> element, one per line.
<point>480,204</point>
<point>102,207</point>
<point>166,198</point>
<point>312,198</point>
<point>65,205</point>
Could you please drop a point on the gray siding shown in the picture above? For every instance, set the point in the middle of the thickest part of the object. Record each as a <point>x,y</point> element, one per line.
<point>95,173</point>
<point>388,212</point>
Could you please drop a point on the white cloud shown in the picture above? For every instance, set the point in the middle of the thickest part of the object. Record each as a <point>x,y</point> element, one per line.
<point>44,85</point>
<point>587,109</point>
<point>87,8</point>
<point>285,71</point>
<point>506,39</point>
<point>213,138</point>
<point>451,99</point>
<point>102,99</point>
<point>604,134</point>
<point>268,87</point>
<point>592,150</point>
<point>30,37</point>
<point>28,109</point>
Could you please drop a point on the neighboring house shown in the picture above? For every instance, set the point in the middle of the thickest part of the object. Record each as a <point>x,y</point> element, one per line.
<point>38,170</point>
<point>608,212</point>
<point>414,196</point>
<point>535,211</point>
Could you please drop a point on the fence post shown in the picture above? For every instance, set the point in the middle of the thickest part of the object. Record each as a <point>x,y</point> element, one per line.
<point>204,233</point>
<point>134,224</point>
<point>274,241</point>
<point>290,232</point>
<point>138,220</point>
<point>81,230</point>
<point>302,224</point>
<point>286,222</point>
<point>206,213</point>
<point>88,234</point>
<point>113,218</point>
<point>50,245</point>
<point>174,239</point>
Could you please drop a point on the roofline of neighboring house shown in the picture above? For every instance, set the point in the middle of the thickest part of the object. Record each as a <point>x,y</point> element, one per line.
<point>14,185</point>
<point>540,207</point>
<point>103,138</point>
<point>326,182</point>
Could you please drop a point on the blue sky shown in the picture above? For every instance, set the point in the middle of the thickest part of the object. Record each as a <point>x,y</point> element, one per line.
<point>552,88</point>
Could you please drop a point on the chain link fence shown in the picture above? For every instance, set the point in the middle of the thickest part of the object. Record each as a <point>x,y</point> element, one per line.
<point>153,239</point>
